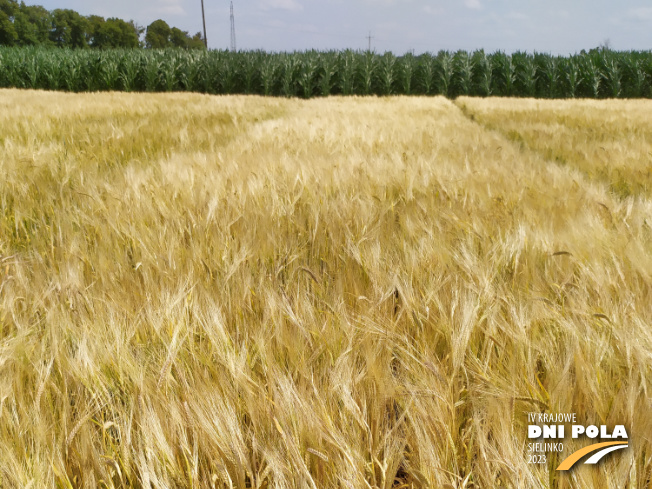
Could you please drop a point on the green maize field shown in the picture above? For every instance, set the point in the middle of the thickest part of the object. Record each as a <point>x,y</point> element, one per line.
<point>596,74</point>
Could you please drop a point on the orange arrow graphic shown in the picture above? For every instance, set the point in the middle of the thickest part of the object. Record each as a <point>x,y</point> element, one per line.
<point>574,457</point>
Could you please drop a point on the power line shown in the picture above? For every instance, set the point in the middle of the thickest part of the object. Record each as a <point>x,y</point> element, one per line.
<point>232,29</point>
<point>420,46</point>
<point>290,28</point>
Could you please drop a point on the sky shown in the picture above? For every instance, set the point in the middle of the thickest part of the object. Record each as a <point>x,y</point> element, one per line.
<point>551,26</point>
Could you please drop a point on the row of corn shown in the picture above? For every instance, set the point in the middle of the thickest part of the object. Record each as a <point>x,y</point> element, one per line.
<point>594,74</point>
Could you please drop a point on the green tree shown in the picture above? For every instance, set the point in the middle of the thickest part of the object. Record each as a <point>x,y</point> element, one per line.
<point>95,26</point>
<point>139,30</point>
<point>112,33</point>
<point>128,32</point>
<point>196,42</point>
<point>33,24</point>
<point>69,29</point>
<point>158,35</point>
<point>26,25</point>
<point>179,38</point>
<point>9,7</point>
<point>8,35</point>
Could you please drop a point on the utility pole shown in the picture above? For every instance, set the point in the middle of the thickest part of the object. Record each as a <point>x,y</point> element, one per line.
<point>232,29</point>
<point>369,38</point>
<point>203,19</point>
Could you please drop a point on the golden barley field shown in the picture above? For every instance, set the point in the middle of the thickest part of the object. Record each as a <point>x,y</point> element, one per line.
<point>241,292</point>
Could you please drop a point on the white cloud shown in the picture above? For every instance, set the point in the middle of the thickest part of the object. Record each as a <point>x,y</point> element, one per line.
<point>169,7</point>
<point>172,10</point>
<point>291,5</point>
<point>473,4</point>
<point>517,16</point>
<point>564,14</point>
<point>640,14</point>
<point>433,10</point>
<point>387,2</point>
<point>390,27</point>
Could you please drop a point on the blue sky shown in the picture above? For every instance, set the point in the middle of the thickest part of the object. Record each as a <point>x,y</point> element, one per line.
<point>554,26</point>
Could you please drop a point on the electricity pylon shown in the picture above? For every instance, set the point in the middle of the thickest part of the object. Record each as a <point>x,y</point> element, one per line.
<point>232,29</point>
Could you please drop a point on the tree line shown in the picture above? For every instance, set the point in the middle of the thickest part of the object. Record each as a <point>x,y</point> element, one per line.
<point>33,25</point>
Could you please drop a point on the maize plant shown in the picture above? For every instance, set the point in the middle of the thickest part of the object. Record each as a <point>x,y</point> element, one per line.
<point>50,71</point>
<point>288,77</point>
<point>573,78</point>
<point>526,74</point>
<point>366,72</point>
<point>152,68</point>
<point>308,76</point>
<point>463,65</point>
<point>591,76</point>
<point>248,68</point>
<point>347,72</point>
<point>328,71</point>
<point>548,67</point>
<point>108,71</point>
<point>446,71</point>
<point>507,71</point>
<point>426,72</point>
<point>269,67</point>
<point>386,74</point>
<point>483,73</point>
<point>30,73</point>
<point>635,73</point>
<point>611,74</point>
<point>129,71</point>
<point>407,70</point>
<point>227,73</point>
